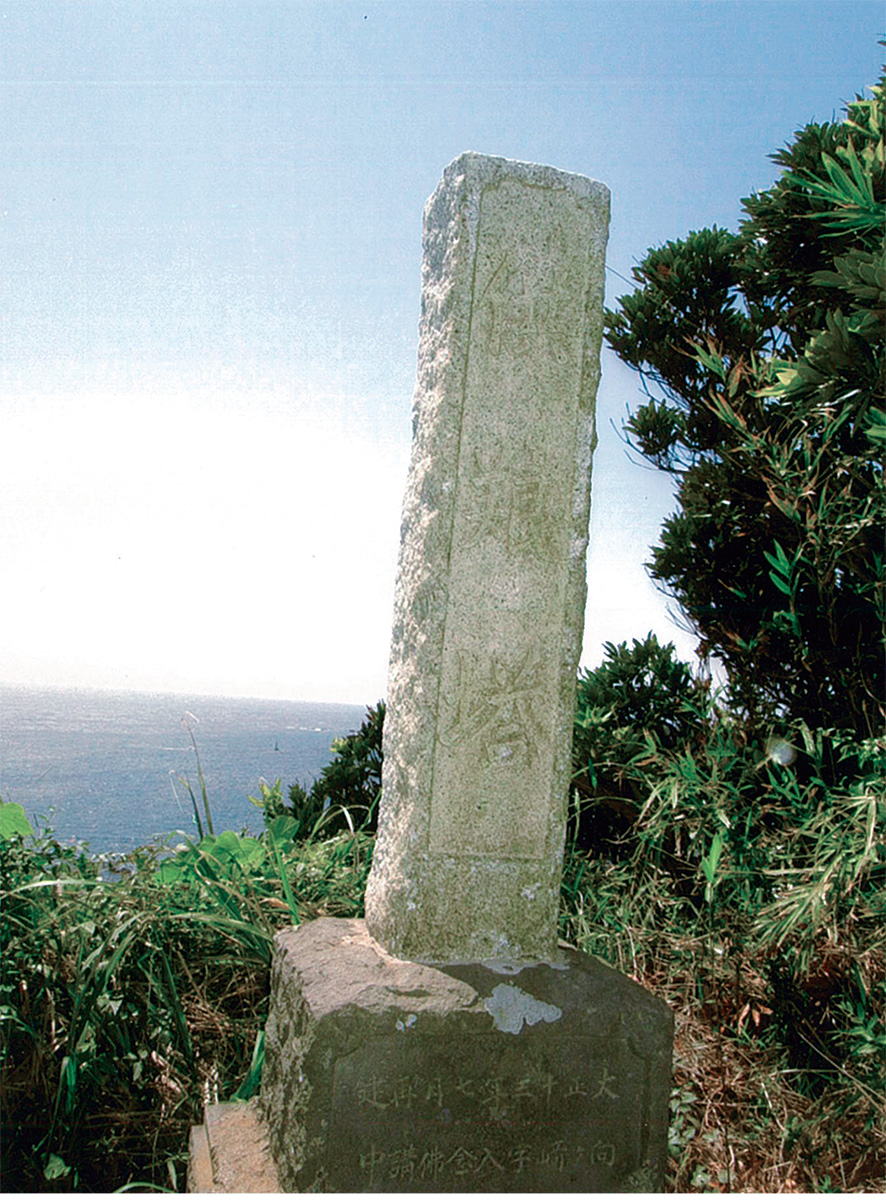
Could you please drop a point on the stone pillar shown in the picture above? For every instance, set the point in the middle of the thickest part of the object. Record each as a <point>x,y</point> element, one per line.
<point>446,1043</point>
<point>491,591</point>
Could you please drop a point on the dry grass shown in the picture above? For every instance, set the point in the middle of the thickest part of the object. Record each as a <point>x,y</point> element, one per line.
<point>743,1120</point>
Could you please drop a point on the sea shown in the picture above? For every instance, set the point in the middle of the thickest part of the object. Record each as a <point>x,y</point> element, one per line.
<point>112,768</point>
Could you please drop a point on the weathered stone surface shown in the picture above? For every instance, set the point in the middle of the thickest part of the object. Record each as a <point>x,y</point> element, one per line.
<point>491,588</point>
<point>200,1178</point>
<point>385,1075</point>
<point>229,1152</point>
<point>445,1044</point>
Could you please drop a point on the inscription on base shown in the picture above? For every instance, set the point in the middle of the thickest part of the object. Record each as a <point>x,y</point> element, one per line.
<point>420,1113</point>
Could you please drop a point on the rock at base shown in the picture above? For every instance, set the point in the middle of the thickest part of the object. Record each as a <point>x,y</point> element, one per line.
<point>387,1075</point>
<point>229,1153</point>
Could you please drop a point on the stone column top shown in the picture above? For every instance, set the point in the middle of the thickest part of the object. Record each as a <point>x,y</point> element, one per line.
<point>485,168</point>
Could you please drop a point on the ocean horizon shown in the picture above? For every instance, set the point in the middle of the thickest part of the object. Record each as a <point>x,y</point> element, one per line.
<point>109,767</point>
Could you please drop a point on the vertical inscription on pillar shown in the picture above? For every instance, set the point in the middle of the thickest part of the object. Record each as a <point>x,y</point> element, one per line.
<point>503,642</point>
<point>491,583</point>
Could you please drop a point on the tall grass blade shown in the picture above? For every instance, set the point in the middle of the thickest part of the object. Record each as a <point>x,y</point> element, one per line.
<point>294,910</point>
<point>186,719</point>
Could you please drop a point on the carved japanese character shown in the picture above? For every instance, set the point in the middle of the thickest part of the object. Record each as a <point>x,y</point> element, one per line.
<point>488,1159</point>
<point>523,1089</point>
<point>406,1089</point>
<point>402,1162</point>
<point>519,1157</point>
<point>511,497</point>
<point>505,316</point>
<point>495,1097</point>
<point>431,1163</point>
<point>371,1161</point>
<point>495,707</point>
<point>548,1087</point>
<point>604,1091</point>
<point>462,1161</point>
<point>603,1152</point>
<point>554,1156</point>
<point>372,1091</point>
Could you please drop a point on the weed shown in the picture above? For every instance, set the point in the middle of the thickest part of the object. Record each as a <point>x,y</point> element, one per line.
<point>744,886</point>
<point>133,989</point>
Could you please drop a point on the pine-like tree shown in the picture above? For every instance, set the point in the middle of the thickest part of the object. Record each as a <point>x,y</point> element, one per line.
<point>766,352</point>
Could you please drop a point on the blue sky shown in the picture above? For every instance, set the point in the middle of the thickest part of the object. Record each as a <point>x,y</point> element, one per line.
<point>211,232</point>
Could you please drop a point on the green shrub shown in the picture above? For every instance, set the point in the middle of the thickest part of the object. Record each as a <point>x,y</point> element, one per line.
<point>767,350</point>
<point>636,693</point>
<point>761,856</point>
<point>347,792</point>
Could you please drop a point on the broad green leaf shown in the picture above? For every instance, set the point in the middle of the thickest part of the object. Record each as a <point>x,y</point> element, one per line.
<point>227,842</point>
<point>13,821</point>
<point>876,431</point>
<point>284,828</point>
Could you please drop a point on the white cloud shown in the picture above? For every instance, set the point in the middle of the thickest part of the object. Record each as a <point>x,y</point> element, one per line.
<point>229,544</point>
<point>244,542</point>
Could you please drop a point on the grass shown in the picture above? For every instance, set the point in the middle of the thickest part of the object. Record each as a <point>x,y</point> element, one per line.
<point>134,989</point>
<point>757,1103</point>
<point>748,895</point>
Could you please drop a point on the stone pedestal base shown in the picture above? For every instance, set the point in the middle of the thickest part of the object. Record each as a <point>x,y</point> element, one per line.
<point>386,1075</point>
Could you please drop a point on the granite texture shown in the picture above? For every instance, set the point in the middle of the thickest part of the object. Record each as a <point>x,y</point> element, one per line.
<point>229,1152</point>
<point>491,590</point>
<point>385,1075</point>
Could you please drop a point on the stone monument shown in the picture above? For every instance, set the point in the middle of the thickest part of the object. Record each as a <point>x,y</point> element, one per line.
<point>490,596</point>
<point>447,1043</point>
